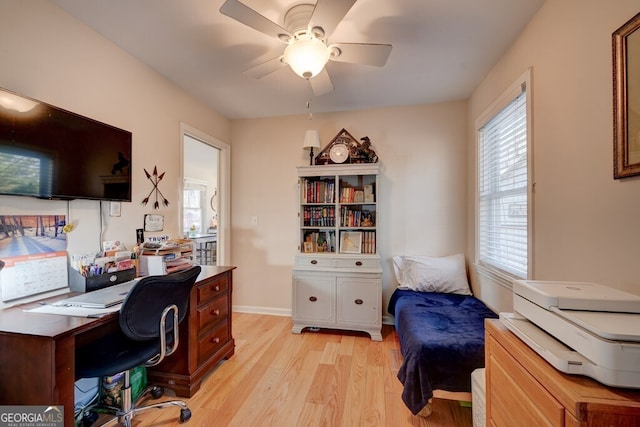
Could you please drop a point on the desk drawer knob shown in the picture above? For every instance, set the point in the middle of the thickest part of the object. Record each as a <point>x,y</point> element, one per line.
<point>314,261</point>
<point>358,301</point>
<point>313,299</point>
<point>215,312</point>
<point>215,288</point>
<point>358,263</point>
<point>215,340</point>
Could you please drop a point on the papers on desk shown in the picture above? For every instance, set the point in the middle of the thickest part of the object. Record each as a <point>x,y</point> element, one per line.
<point>73,311</point>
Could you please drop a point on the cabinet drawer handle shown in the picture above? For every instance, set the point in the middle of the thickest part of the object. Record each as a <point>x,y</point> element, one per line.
<point>215,312</point>
<point>215,340</point>
<point>313,299</point>
<point>358,301</point>
<point>215,288</point>
<point>358,263</point>
<point>313,261</point>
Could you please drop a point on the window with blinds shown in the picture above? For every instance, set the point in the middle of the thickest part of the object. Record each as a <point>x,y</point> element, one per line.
<point>193,205</point>
<point>503,183</point>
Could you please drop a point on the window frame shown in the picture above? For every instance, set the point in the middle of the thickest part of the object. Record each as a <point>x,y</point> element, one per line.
<point>197,186</point>
<point>502,276</point>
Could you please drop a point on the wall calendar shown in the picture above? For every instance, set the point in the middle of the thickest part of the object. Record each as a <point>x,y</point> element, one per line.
<point>28,275</point>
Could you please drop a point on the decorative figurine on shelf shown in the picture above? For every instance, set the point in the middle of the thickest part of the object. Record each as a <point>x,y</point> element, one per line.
<point>366,151</point>
<point>366,220</point>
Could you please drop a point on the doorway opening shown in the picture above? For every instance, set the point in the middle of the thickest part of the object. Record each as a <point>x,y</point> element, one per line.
<point>204,210</point>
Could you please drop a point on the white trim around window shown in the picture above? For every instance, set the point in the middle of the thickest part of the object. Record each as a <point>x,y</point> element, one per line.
<point>504,185</point>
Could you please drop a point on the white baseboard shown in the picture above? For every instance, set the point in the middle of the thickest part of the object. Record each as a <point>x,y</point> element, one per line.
<point>388,319</point>
<point>261,310</point>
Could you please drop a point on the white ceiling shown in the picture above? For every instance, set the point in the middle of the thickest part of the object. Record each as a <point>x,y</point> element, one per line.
<point>442,49</point>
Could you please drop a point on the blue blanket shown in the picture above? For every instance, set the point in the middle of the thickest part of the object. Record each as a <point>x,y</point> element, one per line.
<point>441,339</point>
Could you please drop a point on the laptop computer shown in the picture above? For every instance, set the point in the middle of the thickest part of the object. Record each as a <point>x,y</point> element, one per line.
<point>101,298</point>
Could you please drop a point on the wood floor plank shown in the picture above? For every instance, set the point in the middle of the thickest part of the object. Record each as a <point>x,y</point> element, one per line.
<point>325,378</point>
<point>288,402</point>
<point>356,391</point>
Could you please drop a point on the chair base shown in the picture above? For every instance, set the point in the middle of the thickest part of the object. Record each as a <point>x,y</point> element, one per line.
<point>126,414</point>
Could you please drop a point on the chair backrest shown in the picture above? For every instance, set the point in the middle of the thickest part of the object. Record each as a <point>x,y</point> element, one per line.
<point>142,308</point>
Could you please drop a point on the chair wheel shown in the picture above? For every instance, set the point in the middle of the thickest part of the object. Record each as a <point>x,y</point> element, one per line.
<point>157,392</point>
<point>185,414</point>
<point>89,419</point>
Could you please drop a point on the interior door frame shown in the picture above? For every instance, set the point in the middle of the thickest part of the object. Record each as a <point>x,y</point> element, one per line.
<point>224,186</point>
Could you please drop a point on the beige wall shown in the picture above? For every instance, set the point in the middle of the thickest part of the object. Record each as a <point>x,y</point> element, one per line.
<point>48,55</point>
<point>586,224</point>
<point>421,203</point>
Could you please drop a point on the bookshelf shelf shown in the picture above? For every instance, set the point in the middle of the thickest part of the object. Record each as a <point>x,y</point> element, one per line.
<point>337,278</point>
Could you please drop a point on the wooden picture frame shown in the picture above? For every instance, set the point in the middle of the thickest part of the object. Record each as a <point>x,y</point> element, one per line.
<point>351,242</point>
<point>626,99</point>
<point>307,247</point>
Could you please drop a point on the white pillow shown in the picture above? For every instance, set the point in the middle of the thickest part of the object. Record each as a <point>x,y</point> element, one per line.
<point>432,274</point>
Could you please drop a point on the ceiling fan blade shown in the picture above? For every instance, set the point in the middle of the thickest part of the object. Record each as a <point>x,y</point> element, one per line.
<point>328,14</point>
<point>261,70</point>
<point>362,53</point>
<point>321,83</point>
<point>249,17</point>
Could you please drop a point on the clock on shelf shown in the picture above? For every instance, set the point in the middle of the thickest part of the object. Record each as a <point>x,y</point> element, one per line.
<point>344,148</point>
<point>339,153</point>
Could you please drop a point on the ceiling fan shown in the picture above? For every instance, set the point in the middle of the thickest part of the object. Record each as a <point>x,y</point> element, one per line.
<point>306,31</point>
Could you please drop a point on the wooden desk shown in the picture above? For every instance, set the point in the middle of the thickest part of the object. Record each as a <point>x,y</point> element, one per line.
<point>37,351</point>
<point>523,389</point>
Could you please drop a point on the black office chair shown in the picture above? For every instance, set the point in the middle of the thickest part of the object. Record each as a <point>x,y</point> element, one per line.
<point>149,319</point>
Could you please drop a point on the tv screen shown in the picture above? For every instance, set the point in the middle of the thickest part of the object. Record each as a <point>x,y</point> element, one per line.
<point>51,153</point>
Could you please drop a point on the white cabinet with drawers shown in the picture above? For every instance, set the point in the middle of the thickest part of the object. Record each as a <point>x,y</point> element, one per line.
<point>337,277</point>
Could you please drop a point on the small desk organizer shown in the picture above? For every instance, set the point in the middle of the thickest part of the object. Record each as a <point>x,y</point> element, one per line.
<point>80,283</point>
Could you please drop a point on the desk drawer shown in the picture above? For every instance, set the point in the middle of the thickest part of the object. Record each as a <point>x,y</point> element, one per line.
<point>351,262</point>
<point>211,342</point>
<point>357,263</point>
<point>212,312</point>
<point>211,289</point>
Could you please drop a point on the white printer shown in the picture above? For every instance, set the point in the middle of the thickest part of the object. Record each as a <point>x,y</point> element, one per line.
<point>580,328</point>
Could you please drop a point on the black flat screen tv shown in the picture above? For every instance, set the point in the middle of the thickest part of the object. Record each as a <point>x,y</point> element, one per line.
<point>51,153</point>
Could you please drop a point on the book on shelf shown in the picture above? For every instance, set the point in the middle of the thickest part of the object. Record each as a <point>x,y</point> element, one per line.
<point>317,191</point>
<point>318,216</point>
<point>369,242</point>
<point>350,217</point>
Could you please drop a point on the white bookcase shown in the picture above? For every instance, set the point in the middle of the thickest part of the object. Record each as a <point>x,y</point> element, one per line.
<point>337,277</point>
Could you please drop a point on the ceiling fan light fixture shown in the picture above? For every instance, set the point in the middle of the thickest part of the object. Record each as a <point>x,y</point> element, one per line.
<point>306,55</point>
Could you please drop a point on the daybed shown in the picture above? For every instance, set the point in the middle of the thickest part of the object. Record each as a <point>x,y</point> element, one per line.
<point>440,326</point>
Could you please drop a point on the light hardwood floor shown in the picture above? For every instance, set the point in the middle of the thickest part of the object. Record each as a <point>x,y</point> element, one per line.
<point>326,378</point>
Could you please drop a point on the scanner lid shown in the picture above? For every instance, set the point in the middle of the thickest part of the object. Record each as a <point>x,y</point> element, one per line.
<point>577,296</point>
<point>610,326</point>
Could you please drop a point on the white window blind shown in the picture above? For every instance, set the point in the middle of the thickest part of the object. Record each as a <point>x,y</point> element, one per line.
<point>503,189</point>
<point>193,200</point>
